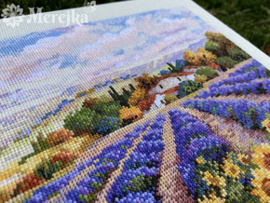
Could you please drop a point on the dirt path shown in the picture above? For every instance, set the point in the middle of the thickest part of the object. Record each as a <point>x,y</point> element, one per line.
<point>256,98</point>
<point>171,186</point>
<point>101,197</point>
<point>64,191</point>
<point>73,183</point>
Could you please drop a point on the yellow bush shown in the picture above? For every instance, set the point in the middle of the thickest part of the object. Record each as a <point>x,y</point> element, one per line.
<point>266,124</point>
<point>169,98</point>
<point>136,97</point>
<point>132,113</point>
<point>191,57</point>
<point>206,56</point>
<point>202,58</point>
<point>200,78</point>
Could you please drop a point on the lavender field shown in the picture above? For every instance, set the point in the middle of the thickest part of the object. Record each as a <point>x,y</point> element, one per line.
<point>123,111</point>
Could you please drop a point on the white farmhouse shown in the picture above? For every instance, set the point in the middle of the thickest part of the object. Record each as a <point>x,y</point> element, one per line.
<point>191,70</point>
<point>158,103</point>
<point>169,81</point>
<point>191,77</point>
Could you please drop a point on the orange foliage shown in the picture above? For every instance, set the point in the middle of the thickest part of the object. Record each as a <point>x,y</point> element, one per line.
<point>59,136</point>
<point>30,181</point>
<point>133,113</point>
<point>89,102</point>
<point>214,66</point>
<point>145,81</point>
<point>136,97</point>
<point>65,156</point>
<point>146,104</point>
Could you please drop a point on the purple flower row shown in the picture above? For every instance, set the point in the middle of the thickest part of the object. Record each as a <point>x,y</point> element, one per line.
<point>108,159</point>
<point>255,87</point>
<point>143,163</point>
<point>239,76</point>
<point>139,197</point>
<point>194,139</point>
<point>246,77</point>
<point>245,67</point>
<point>248,113</point>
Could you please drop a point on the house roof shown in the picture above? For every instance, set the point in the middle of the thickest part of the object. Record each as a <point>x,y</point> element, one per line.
<point>212,65</point>
<point>171,90</point>
<point>173,75</point>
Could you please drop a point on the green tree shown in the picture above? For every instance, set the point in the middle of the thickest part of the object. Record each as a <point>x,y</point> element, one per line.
<point>110,108</point>
<point>207,71</point>
<point>81,121</point>
<point>225,62</point>
<point>46,170</point>
<point>212,47</point>
<point>124,97</point>
<point>178,68</point>
<point>237,54</point>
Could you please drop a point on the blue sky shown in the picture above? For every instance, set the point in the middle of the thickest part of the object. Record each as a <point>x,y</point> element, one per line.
<point>95,52</point>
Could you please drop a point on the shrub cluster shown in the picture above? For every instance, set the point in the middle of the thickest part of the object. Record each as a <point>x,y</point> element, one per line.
<point>187,87</point>
<point>169,98</point>
<point>207,71</point>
